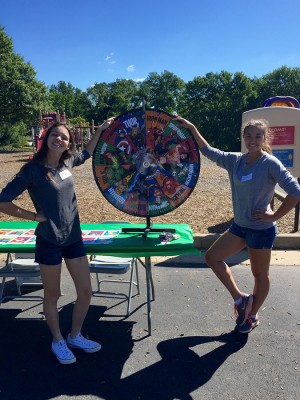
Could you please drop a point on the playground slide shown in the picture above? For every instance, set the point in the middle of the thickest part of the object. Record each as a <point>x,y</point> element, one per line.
<point>281,101</point>
<point>40,139</point>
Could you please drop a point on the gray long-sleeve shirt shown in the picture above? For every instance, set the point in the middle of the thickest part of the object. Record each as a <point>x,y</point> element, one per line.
<point>53,195</point>
<point>252,185</point>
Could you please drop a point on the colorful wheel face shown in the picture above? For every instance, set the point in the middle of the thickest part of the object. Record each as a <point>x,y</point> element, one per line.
<point>145,164</point>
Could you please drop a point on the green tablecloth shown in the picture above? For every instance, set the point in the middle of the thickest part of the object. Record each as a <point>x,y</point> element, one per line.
<point>125,244</point>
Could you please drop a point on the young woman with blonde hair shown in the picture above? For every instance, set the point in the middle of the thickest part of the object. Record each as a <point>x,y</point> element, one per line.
<point>253,177</point>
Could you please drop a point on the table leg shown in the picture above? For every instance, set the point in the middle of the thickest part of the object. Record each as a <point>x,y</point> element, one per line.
<point>150,288</point>
<point>149,283</point>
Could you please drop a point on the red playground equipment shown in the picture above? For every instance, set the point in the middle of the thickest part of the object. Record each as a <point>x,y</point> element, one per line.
<point>47,119</point>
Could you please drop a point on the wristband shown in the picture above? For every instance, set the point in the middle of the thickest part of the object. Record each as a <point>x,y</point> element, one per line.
<point>35,215</point>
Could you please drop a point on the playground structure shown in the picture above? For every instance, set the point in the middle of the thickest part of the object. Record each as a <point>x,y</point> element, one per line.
<point>47,119</point>
<point>82,134</point>
<point>281,101</point>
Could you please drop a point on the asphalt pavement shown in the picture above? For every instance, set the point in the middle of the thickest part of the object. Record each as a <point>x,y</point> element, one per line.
<point>193,352</point>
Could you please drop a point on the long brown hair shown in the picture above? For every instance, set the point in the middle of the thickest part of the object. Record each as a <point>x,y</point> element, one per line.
<point>263,125</point>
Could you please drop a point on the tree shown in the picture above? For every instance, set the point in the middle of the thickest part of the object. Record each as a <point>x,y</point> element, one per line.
<point>66,98</point>
<point>162,91</point>
<point>109,99</point>
<point>15,135</point>
<point>215,103</point>
<point>123,94</point>
<point>283,81</point>
<point>21,94</point>
<point>98,94</point>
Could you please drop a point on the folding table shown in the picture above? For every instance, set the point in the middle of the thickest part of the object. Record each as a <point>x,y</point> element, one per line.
<point>108,239</point>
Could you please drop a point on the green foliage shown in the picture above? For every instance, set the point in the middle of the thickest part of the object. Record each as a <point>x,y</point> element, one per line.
<point>109,99</point>
<point>13,135</point>
<point>283,81</point>
<point>21,94</point>
<point>98,94</point>
<point>78,121</point>
<point>215,103</point>
<point>163,91</point>
<point>68,99</point>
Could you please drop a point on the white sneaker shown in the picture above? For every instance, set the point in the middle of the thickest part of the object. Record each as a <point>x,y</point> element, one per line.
<point>62,352</point>
<point>79,342</point>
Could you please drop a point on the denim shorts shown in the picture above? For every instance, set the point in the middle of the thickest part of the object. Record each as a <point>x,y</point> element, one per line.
<point>255,238</point>
<point>51,254</point>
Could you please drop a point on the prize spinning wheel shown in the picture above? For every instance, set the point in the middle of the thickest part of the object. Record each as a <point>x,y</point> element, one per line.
<point>145,164</point>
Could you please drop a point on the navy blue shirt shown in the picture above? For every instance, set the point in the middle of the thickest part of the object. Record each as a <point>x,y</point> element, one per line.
<point>52,191</point>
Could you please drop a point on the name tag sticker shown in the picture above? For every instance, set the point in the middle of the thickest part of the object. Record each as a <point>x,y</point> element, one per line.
<point>246,178</point>
<point>65,174</point>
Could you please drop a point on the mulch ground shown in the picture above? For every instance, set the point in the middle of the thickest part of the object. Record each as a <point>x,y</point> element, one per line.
<point>207,210</point>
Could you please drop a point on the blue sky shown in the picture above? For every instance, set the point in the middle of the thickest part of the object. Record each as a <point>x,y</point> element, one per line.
<point>88,41</point>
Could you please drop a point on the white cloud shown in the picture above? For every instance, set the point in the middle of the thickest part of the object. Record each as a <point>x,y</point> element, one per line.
<point>139,79</point>
<point>131,68</point>
<point>110,58</point>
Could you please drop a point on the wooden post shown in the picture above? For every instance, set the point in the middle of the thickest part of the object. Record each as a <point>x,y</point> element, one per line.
<point>81,138</point>
<point>33,139</point>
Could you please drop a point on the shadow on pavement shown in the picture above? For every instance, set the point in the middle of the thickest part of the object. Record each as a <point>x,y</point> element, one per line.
<point>199,261</point>
<point>30,371</point>
<point>180,370</point>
